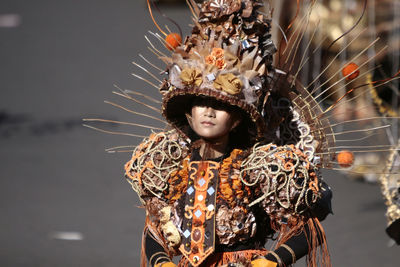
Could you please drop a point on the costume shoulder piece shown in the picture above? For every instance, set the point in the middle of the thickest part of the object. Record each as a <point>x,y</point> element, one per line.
<point>288,182</point>
<point>153,162</point>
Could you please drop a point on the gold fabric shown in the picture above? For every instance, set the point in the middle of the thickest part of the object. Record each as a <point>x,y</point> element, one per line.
<point>191,76</point>
<point>228,83</point>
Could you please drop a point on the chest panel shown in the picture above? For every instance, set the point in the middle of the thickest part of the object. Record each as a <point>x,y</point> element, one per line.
<point>198,224</point>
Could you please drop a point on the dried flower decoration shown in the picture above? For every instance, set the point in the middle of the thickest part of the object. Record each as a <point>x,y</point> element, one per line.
<point>228,83</point>
<point>220,63</point>
<point>216,58</point>
<point>191,76</point>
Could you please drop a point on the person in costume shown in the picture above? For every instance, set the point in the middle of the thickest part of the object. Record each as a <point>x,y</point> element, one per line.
<point>238,169</point>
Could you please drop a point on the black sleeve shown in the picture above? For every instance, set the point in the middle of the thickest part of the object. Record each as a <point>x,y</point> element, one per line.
<point>152,247</point>
<point>299,244</point>
<point>323,206</point>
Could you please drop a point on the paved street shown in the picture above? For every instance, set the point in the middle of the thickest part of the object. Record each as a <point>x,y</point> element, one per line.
<point>63,199</point>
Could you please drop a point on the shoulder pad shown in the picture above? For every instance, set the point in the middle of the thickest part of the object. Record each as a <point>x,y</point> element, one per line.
<point>287,181</point>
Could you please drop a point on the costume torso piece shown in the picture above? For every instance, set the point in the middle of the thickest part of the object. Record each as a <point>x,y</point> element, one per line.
<point>196,205</point>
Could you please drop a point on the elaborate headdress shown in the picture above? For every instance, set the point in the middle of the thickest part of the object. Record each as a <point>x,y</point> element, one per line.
<point>228,57</point>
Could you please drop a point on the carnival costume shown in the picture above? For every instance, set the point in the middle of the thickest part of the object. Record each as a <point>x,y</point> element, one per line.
<point>266,187</point>
<point>221,211</point>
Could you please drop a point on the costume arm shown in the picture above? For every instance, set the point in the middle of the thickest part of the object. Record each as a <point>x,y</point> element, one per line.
<point>293,249</point>
<point>299,245</point>
<point>155,253</point>
<point>294,197</point>
<point>152,164</point>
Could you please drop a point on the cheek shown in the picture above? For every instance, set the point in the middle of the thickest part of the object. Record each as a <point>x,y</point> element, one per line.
<point>195,118</point>
<point>196,113</point>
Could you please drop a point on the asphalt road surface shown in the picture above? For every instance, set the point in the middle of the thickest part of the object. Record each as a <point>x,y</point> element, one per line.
<point>63,199</point>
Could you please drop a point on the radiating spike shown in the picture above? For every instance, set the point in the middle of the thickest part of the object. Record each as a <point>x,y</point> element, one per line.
<point>112,132</point>
<point>125,123</point>
<point>276,23</point>
<point>145,80</point>
<point>139,102</point>
<point>168,18</point>
<point>293,48</point>
<point>343,78</point>
<point>355,120</point>
<point>360,130</point>
<point>362,151</point>
<point>148,72</point>
<point>296,49</point>
<point>364,119</point>
<point>279,27</point>
<point>120,151</point>
<point>154,52</point>
<point>351,28</point>
<point>355,165</point>
<point>333,60</point>
<point>303,61</point>
<point>355,172</point>
<point>143,95</point>
<point>376,146</point>
<point>159,38</point>
<point>344,86</point>
<point>134,112</point>
<point>126,91</point>
<point>344,102</point>
<point>334,106</point>
<point>118,147</point>
<point>194,9</point>
<point>166,26</point>
<point>293,34</point>
<point>354,140</point>
<point>338,71</point>
<point>327,67</point>
<point>151,44</point>
<point>318,47</point>
<point>152,17</point>
<point>151,64</point>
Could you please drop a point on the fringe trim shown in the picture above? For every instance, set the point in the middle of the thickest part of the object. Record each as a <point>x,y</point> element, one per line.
<point>318,254</point>
<point>149,228</point>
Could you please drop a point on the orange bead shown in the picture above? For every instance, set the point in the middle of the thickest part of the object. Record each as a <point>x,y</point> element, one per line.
<point>173,40</point>
<point>345,158</point>
<point>350,68</point>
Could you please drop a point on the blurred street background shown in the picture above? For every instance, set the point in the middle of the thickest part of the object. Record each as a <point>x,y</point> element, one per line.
<point>63,199</point>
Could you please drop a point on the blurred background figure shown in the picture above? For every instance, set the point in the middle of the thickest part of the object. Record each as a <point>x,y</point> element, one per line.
<point>339,32</point>
<point>351,36</point>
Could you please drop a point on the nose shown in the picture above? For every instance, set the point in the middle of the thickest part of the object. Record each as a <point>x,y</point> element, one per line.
<point>209,112</point>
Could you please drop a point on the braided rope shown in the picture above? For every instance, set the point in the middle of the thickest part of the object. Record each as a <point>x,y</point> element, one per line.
<point>154,161</point>
<point>283,173</point>
<point>390,184</point>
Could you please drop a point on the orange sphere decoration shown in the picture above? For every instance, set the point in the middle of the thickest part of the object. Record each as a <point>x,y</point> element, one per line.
<point>345,158</point>
<point>173,40</point>
<point>350,68</point>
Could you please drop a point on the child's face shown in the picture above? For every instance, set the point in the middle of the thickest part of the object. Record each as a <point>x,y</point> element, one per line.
<point>211,123</point>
